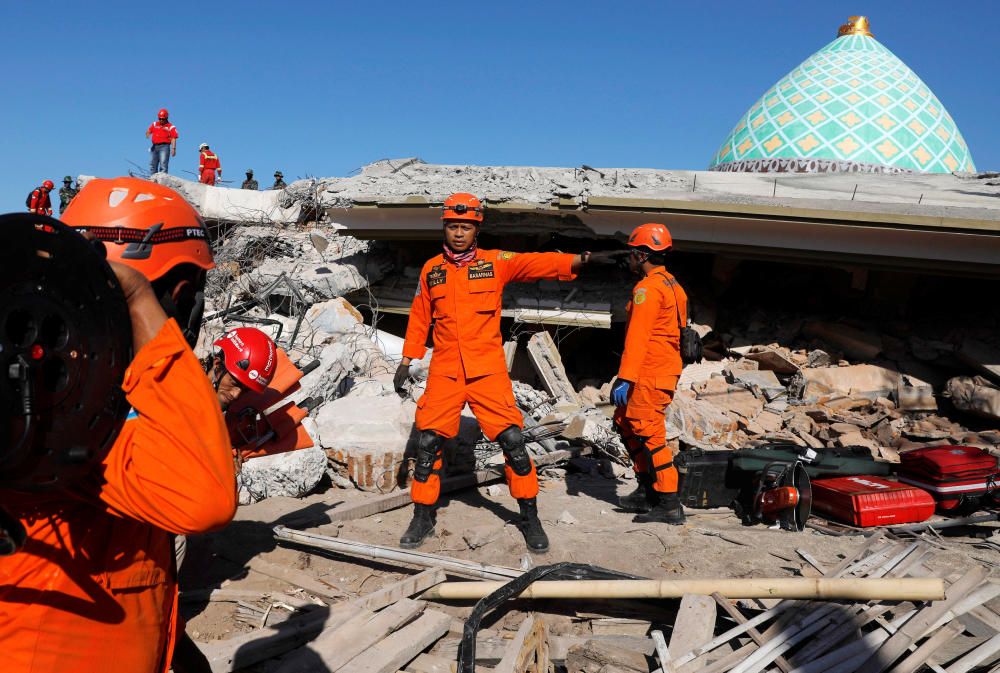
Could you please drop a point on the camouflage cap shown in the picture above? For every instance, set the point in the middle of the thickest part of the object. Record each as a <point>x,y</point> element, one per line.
<point>249,171</point>
<point>279,174</point>
<point>67,179</point>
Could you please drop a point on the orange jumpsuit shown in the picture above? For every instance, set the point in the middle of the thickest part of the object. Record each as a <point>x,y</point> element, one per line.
<point>94,588</point>
<point>208,164</point>
<point>652,362</point>
<point>468,363</point>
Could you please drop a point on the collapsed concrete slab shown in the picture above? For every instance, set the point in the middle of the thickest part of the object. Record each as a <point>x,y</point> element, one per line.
<point>293,474</point>
<point>976,395</point>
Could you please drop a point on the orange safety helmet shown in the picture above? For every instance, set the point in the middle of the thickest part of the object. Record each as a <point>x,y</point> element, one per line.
<point>652,235</point>
<point>463,206</point>
<point>145,225</point>
<point>249,356</point>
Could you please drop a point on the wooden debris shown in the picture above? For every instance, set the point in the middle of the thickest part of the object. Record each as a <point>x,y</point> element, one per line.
<point>297,578</point>
<point>409,586</point>
<point>411,557</point>
<point>595,656</point>
<point>401,647</point>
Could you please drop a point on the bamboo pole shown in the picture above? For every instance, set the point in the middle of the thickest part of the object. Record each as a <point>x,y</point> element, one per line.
<point>805,588</point>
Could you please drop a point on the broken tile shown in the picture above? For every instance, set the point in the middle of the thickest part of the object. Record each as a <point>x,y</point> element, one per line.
<point>773,359</point>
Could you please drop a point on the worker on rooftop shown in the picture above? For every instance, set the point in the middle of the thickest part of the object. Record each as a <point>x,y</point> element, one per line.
<point>647,378</point>
<point>163,135</point>
<point>66,194</point>
<point>249,183</point>
<point>279,181</point>
<point>461,290</point>
<point>38,200</point>
<point>208,165</point>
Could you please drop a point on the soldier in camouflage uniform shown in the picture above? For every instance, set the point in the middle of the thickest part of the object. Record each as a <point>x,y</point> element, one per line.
<point>279,182</point>
<point>66,194</point>
<point>249,183</point>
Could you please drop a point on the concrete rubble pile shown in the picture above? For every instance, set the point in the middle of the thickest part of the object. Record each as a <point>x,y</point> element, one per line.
<point>892,396</point>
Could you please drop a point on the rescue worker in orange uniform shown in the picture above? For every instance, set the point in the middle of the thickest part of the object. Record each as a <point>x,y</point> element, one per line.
<point>647,378</point>
<point>208,165</point>
<point>38,201</point>
<point>460,292</point>
<point>95,585</point>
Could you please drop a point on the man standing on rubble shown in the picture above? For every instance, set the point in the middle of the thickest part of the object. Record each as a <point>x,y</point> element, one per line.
<point>208,165</point>
<point>163,135</point>
<point>279,180</point>
<point>647,378</point>
<point>461,290</point>
<point>249,183</point>
<point>66,194</point>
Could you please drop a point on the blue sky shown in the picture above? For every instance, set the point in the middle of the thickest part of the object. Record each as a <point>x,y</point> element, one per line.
<point>323,89</point>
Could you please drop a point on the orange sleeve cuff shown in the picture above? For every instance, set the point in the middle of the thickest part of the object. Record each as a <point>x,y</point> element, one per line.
<point>413,351</point>
<point>565,267</point>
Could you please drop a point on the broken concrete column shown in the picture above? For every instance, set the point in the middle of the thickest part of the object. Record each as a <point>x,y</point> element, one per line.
<point>869,381</point>
<point>548,363</point>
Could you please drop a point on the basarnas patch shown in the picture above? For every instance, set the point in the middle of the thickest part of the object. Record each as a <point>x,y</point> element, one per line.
<point>504,255</point>
<point>481,269</point>
<point>640,296</point>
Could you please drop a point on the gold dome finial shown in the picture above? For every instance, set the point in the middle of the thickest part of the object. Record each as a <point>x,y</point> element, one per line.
<point>856,25</point>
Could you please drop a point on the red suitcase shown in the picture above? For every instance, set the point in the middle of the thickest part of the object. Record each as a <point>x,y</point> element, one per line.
<point>870,501</point>
<point>954,475</point>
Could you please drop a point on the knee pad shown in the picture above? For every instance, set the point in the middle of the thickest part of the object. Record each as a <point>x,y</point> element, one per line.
<point>512,443</point>
<point>428,446</point>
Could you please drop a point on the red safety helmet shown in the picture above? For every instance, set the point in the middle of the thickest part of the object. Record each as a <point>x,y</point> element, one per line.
<point>652,235</point>
<point>49,185</point>
<point>463,206</point>
<point>163,114</point>
<point>249,356</point>
<point>143,224</point>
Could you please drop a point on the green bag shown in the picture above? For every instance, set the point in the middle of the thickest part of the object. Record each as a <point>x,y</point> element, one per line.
<point>837,462</point>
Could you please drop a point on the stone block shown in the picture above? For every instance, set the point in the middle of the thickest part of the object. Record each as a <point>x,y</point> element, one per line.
<point>699,420</point>
<point>975,395</point>
<point>729,398</point>
<point>776,360</point>
<point>367,437</point>
<point>292,474</point>
<point>869,381</point>
<point>912,394</point>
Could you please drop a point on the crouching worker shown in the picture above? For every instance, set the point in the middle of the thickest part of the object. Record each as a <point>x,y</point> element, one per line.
<point>245,360</point>
<point>650,368</point>
<point>98,497</point>
<point>461,290</point>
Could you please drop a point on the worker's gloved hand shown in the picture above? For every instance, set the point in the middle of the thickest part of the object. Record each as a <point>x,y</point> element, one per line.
<point>620,391</point>
<point>400,379</point>
<point>604,257</point>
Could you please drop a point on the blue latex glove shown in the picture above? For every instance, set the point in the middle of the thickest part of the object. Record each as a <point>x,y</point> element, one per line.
<point>620,391</point>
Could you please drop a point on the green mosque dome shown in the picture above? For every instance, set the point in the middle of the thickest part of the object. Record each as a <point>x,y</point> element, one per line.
<point>850,107</point>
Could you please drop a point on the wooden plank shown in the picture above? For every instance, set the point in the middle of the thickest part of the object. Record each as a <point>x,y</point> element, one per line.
<point>428,663</point>
<point>533,656</point>
<point>694,625</point>
<point>333,648</point>
<point>915,628</point>
<point>986,651</point>
<point>919,656</point>
<point>297,578</point>
<point>662,651</point>
<point>408,586</point>
<point>740,618</point>
<point>250,648</point>
<point>399,649</point>
<point>508,664</point>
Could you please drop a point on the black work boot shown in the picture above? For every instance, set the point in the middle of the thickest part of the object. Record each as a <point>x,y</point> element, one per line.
<point>643,498</point>
<point>421,526</point>
<point>531,527</point>
<point>667,510</point>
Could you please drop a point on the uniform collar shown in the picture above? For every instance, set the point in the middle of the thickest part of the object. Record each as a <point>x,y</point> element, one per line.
<point>657,269</point>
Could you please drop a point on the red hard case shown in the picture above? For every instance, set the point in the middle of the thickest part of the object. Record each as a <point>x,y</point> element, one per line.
<point>950,473</point>
<point>870,501</point>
